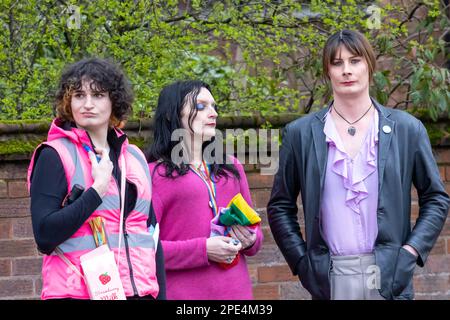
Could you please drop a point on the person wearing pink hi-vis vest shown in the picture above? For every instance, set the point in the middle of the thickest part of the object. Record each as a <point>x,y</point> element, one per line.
<point>188,194</point>
<point>74,177</point>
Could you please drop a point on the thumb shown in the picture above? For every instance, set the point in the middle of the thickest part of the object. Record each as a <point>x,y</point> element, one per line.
<point>225,239</point>
<point>92,158</point>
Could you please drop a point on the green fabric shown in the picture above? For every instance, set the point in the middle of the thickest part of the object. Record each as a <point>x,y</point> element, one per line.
<point>234,216</point>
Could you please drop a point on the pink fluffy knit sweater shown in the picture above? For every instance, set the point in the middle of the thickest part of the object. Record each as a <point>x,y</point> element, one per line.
<point>181,207</point>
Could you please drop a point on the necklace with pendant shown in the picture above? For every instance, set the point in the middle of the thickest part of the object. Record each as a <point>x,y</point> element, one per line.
<point>352,130</point>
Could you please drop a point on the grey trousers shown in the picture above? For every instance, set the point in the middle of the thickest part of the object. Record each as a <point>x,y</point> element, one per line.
<point>354,278</point>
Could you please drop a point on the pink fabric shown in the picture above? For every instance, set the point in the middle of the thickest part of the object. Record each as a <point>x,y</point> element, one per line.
<point>181,207</point>
<point>58,280</point>
<point>350,196</point>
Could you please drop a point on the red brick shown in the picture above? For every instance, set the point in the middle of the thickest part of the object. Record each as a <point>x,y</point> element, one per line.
<point>17,189</point>
<point>249,168</point>
<point>17,248</point>
<point>260,197</point>
<point>301,216</point>
<point>268,237</point>
<point>439,247</point>
<point>5,228</point>
<point>275,274</point>
<point>266,292</point>
<point>442,155</point>
<point>258,181</point>
<point>5,267</point>
<point>447,173</point>
<point>14,170</point>
<point>442,172</point>
<point>14,208</point>
<point>22,228</point>
<point>3,189</point>
<point>27,266</point>
<point>436,283</point>
<point>16,287</point>
<point>294,291</point>
<point>414,211</point>
<point>37,287</point>
<point>268,254</point>
<point>435,264</point>
<point>428,296</point>
<point>253,272</point>
<point>414,196</point>
<point>400,94</point>
<point>263,215</point>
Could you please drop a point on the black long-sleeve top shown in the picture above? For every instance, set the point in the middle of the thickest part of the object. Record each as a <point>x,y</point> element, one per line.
<point>53,224</point>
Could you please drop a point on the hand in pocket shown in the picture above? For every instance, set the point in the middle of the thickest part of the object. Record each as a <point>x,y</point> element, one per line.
<point>302,272</point>
<point>404,271</point>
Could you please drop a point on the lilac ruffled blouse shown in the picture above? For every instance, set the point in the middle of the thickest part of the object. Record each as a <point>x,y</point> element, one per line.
<point>350,195</point>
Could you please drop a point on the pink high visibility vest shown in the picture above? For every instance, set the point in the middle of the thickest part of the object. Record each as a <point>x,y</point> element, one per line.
<point>138,250</point>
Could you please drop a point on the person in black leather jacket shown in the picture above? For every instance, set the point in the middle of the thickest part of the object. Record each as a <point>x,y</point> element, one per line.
<point>354,163</point>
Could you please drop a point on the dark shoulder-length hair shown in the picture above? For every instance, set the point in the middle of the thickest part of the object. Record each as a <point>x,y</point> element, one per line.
<point>167,119</point>
<point>106,76</point>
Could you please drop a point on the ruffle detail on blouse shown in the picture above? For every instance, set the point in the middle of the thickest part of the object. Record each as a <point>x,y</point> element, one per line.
<point>364,164</point>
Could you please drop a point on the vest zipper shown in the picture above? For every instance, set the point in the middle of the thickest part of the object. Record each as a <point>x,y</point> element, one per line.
<point>125,236</point>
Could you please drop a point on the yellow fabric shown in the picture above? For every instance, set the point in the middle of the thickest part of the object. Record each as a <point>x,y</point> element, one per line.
<point>251,215</point>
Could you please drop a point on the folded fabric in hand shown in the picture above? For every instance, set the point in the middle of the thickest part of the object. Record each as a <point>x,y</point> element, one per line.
<point>238,212</point>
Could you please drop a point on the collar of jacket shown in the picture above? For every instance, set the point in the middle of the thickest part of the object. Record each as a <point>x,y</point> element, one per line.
<point>59,128</point>
<point>382,110</point>
<point>384,141</point>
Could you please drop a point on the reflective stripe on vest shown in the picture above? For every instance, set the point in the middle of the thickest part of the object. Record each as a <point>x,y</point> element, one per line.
<point>112,202</point>
<point>78,176</point>
<point>57,280</point>
<point>143,163</point>
<point>87,242</point>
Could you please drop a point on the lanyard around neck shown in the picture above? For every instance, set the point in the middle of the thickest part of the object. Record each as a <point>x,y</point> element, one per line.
<point>206,177</point>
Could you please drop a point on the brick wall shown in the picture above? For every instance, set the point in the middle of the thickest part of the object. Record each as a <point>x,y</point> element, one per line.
<point>20,262</point>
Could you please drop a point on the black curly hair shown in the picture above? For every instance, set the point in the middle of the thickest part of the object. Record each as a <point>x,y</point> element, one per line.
<point>106,77</point>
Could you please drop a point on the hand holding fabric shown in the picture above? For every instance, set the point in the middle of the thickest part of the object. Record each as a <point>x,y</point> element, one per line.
<point>237,221</point>
<point>222,249</point>
<point>244,235</point>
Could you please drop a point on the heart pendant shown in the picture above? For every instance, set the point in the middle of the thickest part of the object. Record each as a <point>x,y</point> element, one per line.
<point>351,130</point>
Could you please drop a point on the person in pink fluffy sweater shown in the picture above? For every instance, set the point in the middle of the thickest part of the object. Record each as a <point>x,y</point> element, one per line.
<point>189,188</point>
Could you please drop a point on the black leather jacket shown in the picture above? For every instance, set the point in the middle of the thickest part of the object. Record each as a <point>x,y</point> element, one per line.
<point>404,158</point>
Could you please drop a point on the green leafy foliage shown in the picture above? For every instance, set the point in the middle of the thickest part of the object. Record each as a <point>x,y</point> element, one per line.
<point>259,56</point>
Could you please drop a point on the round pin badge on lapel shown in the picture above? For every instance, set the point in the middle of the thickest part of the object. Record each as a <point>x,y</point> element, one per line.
<point>387,129</point>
